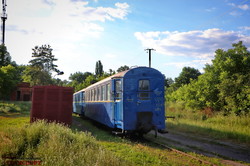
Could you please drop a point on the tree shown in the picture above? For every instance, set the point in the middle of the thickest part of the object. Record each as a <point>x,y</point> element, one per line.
<point>98,69</point>
<point>187,74</point>
<point>59,82</point>
<point>44,59</point>
<point>35,76</point>
<point>122,68</point>
<point>79,77</point>
<point>111,72</point>
<point>41,66</point>
<point>168,82</point>
<point>8,80</point>
<point>5,58</point>
<point>91,79</point>
<point>233,70</point>
<point>224,86</point>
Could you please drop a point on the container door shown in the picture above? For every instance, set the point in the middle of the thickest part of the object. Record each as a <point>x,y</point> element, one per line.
<point>118,108</point>
<point>144,105</point>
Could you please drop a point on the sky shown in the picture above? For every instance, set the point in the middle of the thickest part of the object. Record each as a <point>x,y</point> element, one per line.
<point>117,32</point>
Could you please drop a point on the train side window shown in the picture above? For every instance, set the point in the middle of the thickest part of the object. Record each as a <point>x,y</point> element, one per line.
<point>96,97</point>
<point>105,93</point>
<point>118,89</point>
<point>108,92</point>
<point>144,88</point>
<point>98,94</point>
<point>92,94</point>
<point>89,95</point>
<point>102,93</point>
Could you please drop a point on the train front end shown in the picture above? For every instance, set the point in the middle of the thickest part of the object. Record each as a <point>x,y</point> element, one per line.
<point>143,100</point>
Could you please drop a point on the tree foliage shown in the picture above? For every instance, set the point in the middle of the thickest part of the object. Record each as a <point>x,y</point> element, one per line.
<point>41,67</point>
<point>187,74</point>
<point>8,80</point>
<point>44,59</point>
<point>224,86</point>
<point>99,69</point>
<point>168,82</point>
<point>122,68</point>
<point>5,58</point>
<point>35,76</point>
<point>79,77</point>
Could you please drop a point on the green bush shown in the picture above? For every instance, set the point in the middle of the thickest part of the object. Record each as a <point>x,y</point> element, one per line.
<point>54,144</point>
<point>224,86</point>
<point>14,107</point>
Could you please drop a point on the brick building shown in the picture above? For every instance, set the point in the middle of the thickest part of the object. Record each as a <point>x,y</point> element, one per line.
<point>23,92</point>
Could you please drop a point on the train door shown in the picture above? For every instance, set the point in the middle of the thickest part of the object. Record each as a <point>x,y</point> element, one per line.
<point>144,105</point>
<point>118,107</point>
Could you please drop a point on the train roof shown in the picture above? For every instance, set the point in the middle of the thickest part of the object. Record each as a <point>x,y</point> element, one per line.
<point>117,75</point>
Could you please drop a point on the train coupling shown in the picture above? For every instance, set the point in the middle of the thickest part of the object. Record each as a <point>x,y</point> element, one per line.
<point>163,131</point>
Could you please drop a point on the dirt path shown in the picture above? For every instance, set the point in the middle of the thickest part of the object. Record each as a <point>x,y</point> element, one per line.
<point>207,146</point>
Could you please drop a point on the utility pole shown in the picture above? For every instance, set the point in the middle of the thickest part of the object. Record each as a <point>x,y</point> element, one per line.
<point>4,18</point>
<point>149,54</point>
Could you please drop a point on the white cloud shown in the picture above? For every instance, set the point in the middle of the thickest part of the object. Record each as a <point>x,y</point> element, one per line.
<point>210,9</point>
<point>238,9</point>
<point>246,28</point>
<point>243,7</point>
<point>192,63</point>
<point>235,13</point>
<point>199,45</point>
<point>64,24</point>
<point>60,23</point>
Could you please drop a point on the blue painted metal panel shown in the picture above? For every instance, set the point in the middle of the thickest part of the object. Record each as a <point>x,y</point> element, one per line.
<point>78,103</point>
<point>101,112</point>
<point>132,103</point>
<point>123,112</point>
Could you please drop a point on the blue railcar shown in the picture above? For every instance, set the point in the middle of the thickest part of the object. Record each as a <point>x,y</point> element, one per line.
<point>78,102</point>
<point>130,101</point>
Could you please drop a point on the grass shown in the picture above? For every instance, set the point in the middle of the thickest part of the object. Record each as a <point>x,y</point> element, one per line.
<point>50,143</point>
<point>210,124</point>
<point>54,144</point>
<point>138,153</point>
<point>14,114</point>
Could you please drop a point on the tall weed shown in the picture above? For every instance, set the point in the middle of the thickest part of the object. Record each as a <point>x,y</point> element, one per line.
<point>54,144</point>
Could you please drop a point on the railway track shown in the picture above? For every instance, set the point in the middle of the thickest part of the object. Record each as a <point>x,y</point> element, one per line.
<point>201,161</point>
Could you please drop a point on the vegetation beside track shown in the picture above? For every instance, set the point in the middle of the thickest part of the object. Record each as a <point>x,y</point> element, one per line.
<point>137,152</point>
<point>54,144</point>
<point>209,124</point>
<point>49,143</point>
